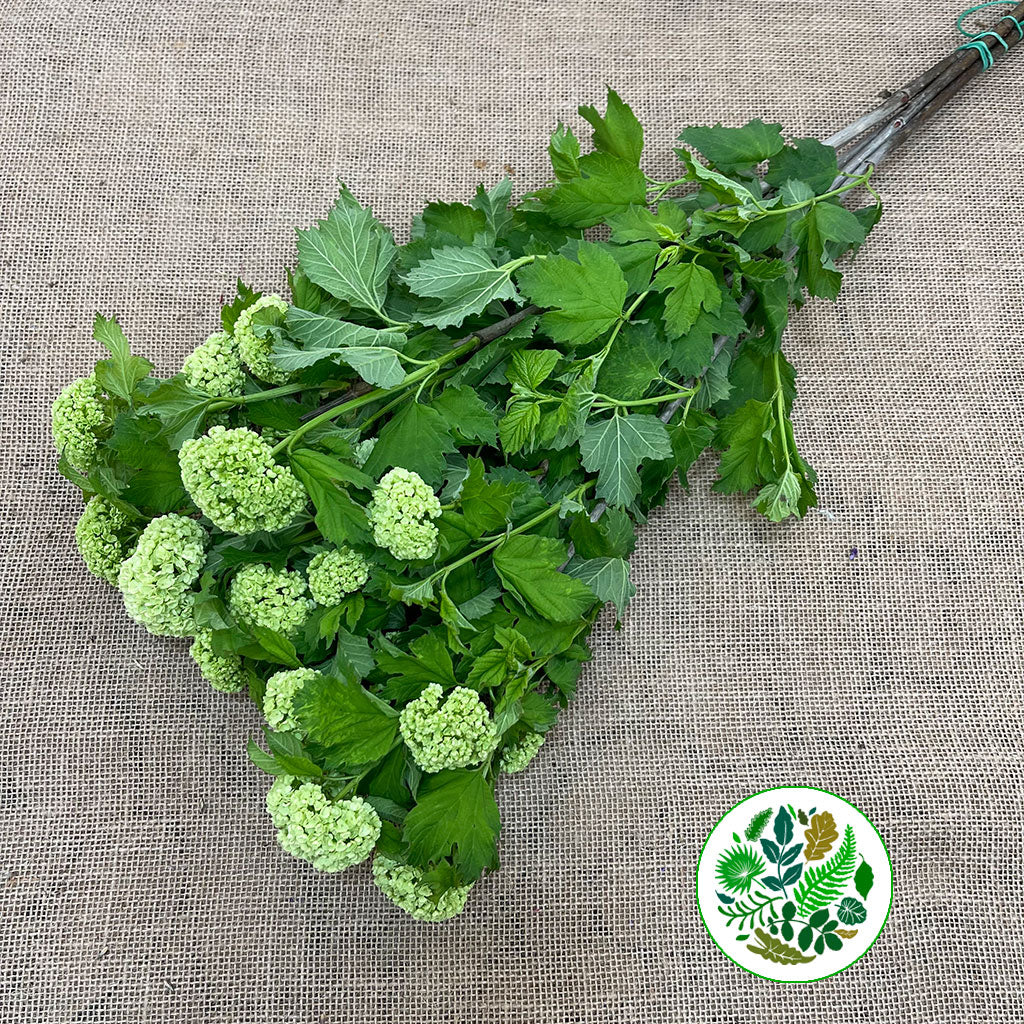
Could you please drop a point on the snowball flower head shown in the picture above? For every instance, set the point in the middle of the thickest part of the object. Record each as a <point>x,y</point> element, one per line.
<point>273,598</point>
<point>517,756</point>
<point>331,834</point>
<point>78,416</point>
<point>335,573</point>
<point>403,884</point>
<point>223,672</point>
<point>454,734</point>
<point>215,367</point>
<point>101,538</point>
<point>233,480</point>
<point>400,513</point>
<point>282,688</point>
<point>270,309</point>
<point>156,579</point>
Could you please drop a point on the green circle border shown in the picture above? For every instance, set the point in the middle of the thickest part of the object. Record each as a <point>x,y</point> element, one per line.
<point>794,981</point>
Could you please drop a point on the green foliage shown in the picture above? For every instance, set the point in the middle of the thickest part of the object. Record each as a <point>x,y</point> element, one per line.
<point>483,469</point>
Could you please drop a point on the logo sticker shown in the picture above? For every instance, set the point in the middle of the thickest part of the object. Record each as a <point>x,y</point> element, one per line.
<point>794,884</point>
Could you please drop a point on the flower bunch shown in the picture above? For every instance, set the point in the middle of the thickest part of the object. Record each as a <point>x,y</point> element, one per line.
<point>390,507</point>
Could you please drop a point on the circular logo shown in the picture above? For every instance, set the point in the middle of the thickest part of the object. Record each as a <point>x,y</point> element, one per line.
<point>794,884</point>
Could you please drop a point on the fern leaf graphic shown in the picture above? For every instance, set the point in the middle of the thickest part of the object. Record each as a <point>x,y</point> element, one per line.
<point>821,885</point>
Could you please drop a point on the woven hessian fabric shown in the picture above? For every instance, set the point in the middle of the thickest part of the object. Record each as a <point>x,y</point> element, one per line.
<point>150,153</point>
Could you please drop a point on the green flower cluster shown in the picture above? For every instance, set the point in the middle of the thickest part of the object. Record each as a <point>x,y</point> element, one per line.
<point>331,834</point>
<point>215,367</point>
<point>400,513</point>
<point>516,757</point>
<point>270,309</point>
<point>454,734</point>
<point>223,672</point>
<point>101,534</point>
<point>335,573</point>
<point>273,598</point>
<point>233,480</point>
<point>281,690</point>
<point>156,579</point>
<point>78,415</point>
<point>403,884</point>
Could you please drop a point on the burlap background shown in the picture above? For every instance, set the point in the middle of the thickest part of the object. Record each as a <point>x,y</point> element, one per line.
<point>150,152</point>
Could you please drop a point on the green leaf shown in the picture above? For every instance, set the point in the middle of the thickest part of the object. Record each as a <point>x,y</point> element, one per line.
<point>349,723</point>
<point>824,223</point>
<point>806,160</point>
<point>417,438</point>
<point>340,519</point>
<point>634,361</point>
<point>286,758</point>
<point>781,498</point>
<point>349,255</point>
<point>449,219</point>
<point>180,408</point>
<point>564,150</point>
<point>493,204</point>
<point>723,188</point>
<point>326,468</point>
<point>614,448</point>
<point>468,416</point>
<point>529,368</point>
<point>607,184</point>
<point>608,578</point>
<point>638,224</point>
<point>119,375</point>
<point>618,132</point>
<point>485,503</point>
<point>690,437</point>
<point>464,278</point>
<point>736,149</point>
<point>528,567</point>
<point>518,426</point>
<point>244,297</point>
<point>776,950</point>
<point>455,816</point>
<point>748,456</point>
<point>864,879</point>
<point>691,288</point>
<point>585,297</point>
<point>371,353</point>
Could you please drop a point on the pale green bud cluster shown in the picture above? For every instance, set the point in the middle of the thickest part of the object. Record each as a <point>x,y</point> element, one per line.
<point>101,538</point>
<point>270,309</point>
<point>223,672</point>
<point>400,513</point>
<point>282,688</point>
<point>517,756</point>
<point>78,415</point>
<point>403,884</point>
<point>215,367</point>
<point>361,451</point>
<point>273,598</point>
<point>331,834</point>
<point>454,734</point>
<point>156,579</point>
<point>335,573</point>
<point>233,480</point>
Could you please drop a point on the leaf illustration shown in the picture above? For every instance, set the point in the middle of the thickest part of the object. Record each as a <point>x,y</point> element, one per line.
<point>737,868</point>
<point>791,854</point>
<point>783,827</point>
<point>823,884</point>
<point>801,817</point>
<point>846,933</point>
<point>776,950</point>
<point>758,823</point>
<point>864,879</point>
<point>821,836</point>
<point>851,911</point>
<point>771,851</point>
<point>745,912</point>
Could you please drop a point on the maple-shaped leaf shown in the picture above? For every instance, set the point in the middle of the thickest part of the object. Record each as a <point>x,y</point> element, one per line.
<point>584,298</point>
<point>614,448</point>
